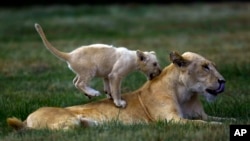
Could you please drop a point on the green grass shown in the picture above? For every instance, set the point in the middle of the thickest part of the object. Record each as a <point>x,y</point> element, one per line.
<point>31,77</point>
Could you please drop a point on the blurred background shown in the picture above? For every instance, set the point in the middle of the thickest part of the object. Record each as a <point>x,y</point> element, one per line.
<point>24,3</point>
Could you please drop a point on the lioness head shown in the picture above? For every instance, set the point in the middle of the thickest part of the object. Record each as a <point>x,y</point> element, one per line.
<point>198,74</point>
<point>148,64</point>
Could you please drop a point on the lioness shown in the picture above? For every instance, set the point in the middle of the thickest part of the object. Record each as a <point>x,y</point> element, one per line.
<point>172,96</point>
<point>108,62</point>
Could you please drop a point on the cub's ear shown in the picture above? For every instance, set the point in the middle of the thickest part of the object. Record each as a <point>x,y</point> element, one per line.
<point>141,55</point>
<point>178,60</point>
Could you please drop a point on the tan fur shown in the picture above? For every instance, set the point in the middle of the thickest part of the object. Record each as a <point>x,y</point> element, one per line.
<point>110,63</point>
<point>172,96</point>
<point>15,123</point>
<point>66,120</point>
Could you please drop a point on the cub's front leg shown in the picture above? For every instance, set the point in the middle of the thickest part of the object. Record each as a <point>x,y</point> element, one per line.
<point>115,84</point>
<point>107,90</point>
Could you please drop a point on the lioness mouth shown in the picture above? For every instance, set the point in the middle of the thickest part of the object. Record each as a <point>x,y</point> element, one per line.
<point>217,91</point>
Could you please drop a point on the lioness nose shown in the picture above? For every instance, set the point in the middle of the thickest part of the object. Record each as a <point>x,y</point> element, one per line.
<point>221,81</point>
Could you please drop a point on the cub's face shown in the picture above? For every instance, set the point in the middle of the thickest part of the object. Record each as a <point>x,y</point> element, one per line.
<point>200,75</point>
<point>148,64</point>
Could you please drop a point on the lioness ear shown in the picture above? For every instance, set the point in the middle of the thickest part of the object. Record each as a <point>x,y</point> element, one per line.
<point>152,52</point>
<point>177,59</point>
<point>141,55</point>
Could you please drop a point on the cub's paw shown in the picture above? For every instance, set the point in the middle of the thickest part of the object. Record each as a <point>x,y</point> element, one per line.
<point>120,103</point>
<point>93,93</point>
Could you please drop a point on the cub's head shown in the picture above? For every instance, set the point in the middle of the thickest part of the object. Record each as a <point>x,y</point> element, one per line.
<point>198,74</point>
<point>147,63</point>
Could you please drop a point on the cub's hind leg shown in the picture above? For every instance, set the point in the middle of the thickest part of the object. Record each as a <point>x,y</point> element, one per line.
<point>81,83</point>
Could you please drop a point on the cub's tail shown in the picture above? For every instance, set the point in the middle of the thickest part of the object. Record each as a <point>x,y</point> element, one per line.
<point>15,123</point>
<point>62,55</point>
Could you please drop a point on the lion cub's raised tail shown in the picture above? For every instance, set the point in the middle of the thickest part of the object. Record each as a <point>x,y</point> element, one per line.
<point>62,55</point>
<point>15,123</point>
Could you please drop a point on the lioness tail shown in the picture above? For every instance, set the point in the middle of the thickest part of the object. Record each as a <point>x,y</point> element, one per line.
<point>15,123</point>
<point>62,55</point>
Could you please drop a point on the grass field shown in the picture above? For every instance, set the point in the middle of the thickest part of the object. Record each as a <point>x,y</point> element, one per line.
<point>31,77</point>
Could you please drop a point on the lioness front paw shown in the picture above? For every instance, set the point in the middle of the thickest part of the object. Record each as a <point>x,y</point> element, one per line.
<point>215,123</point>
<point>232,119</point>
<point>120,103</point>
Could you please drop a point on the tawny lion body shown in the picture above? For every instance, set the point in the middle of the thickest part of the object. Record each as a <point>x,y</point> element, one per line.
<point>172,96</point>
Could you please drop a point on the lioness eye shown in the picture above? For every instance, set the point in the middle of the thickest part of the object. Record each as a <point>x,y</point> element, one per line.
<point>206,67</point>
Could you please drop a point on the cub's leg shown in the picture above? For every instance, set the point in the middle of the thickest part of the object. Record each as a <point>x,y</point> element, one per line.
<point>75,80</point>
<point>106,87</point>
<point>80,82</point>
<point>115,84</point>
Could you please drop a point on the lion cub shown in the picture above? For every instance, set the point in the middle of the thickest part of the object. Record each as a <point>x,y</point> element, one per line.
<point>108,62</point>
